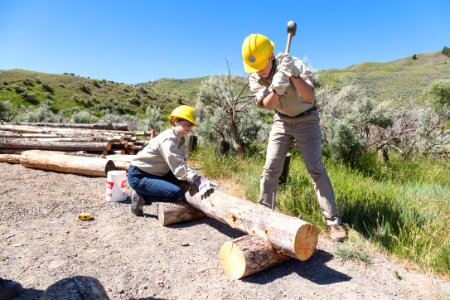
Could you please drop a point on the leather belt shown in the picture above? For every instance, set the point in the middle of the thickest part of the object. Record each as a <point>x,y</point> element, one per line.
<point>305,113</point>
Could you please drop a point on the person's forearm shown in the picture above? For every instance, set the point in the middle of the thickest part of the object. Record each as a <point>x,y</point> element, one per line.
<point>271,100</point>
<point>304,89</point>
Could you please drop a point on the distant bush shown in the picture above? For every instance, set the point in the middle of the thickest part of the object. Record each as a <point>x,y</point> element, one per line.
<point>18,89</point>
<point>28,82</point>
<point>30,98</point>
<point>7,111</point>
<point>41,114</point>
<point>85,89</point>
<point>96,83</point>
<point>48,88</point>
<point>83,117</point>
<point>446,51</point>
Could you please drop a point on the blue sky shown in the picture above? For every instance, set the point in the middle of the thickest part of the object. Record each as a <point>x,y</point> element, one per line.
<point>133,41</point>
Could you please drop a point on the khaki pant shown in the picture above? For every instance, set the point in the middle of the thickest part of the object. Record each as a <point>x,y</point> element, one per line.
<point>305,131</point>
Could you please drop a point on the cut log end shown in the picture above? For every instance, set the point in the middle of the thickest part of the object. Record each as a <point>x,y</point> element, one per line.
<point>247,255</point>
<point>306,241</point>
<point>233,260</point>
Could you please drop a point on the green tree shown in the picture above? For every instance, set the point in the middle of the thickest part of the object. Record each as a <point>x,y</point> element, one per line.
<point>227,112</point>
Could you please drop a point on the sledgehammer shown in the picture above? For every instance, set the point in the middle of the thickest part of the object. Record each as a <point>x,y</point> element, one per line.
<point>291,29</point>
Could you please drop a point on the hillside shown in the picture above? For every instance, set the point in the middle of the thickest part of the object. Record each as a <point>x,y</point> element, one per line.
<point>398,79</point>
<point>68,93</point>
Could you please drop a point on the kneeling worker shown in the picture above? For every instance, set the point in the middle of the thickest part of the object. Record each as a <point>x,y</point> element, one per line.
<point>159,172</point>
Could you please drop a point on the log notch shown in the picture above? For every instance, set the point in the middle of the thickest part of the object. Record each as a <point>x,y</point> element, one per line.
<point>293,236</point>
<point>172,213</point>
<point>53,161</point>
<point>247,255</point>
<point>55,146</point>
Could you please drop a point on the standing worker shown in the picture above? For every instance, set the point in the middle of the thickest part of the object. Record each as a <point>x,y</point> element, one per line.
<point>284,83</point>
<point>159,172</point>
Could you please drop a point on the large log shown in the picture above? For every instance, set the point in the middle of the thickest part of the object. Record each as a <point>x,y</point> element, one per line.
<point>293,236</point>
<point>172,213</point>
<point>249,254</point>
<point>55,146</point>
<point>52,161</point>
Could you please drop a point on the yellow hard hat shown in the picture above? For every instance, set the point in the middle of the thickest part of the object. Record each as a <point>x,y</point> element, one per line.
<point>256,52</point>
<point>183,112</point>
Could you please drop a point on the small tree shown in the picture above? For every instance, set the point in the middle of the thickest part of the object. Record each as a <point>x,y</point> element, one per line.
<point>227,113</point>
<point>414,57</point>
<point>154,118</point>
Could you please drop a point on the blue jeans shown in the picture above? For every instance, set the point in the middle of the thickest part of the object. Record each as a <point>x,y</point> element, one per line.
<point>154,188</point>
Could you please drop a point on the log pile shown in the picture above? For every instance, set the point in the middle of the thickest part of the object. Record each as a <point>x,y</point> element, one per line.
<point>89,138</point>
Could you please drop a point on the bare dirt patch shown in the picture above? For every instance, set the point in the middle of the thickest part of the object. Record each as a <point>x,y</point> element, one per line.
<point>43,241</point>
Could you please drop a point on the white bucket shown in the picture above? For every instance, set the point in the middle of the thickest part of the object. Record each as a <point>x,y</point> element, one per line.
<point>116,186</point>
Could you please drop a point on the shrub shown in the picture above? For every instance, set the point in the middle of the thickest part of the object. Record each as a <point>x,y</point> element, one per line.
<point>28,82</point>
<point>83,117</point>
<point>7,111</point>
<point>30,98</point>
<point>48,88</point>
<point>85,89</point>
<point>446,51</point>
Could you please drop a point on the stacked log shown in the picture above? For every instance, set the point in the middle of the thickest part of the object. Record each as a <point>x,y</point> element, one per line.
<point>61,162</point>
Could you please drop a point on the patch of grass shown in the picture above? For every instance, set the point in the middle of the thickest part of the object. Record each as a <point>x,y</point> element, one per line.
<point>354,248</point>
<point>402,208</point>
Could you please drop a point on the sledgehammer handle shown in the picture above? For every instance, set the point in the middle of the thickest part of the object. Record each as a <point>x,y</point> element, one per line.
<point>291,29</point>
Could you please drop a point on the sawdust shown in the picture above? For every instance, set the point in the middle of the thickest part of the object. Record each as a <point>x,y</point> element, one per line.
<point>43,241</point>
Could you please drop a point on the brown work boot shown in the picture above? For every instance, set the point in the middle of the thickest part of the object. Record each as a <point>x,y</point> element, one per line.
<point>337,232</point>
<point>136,204</point>
<point>9,289</point>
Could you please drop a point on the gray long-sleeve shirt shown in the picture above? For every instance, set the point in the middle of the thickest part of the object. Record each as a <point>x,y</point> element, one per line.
<point>165,152</point>
<point>290,104</point>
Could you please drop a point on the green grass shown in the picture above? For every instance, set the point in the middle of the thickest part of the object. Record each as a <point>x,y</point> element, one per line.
<point>403,207</point>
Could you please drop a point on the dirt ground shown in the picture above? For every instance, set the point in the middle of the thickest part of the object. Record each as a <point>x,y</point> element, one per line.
<point>43,241</point>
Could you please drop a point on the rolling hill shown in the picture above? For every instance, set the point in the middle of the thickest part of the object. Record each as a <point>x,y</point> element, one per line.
<point>68,93</point>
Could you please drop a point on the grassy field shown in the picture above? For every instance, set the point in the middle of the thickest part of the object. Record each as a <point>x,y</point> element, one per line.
<point>402,208</point>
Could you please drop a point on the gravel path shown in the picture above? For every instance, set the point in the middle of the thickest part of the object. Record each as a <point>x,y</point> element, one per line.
<point>43,241</point>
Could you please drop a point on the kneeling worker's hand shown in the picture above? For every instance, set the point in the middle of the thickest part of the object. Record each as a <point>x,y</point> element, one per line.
<point>204,187</point>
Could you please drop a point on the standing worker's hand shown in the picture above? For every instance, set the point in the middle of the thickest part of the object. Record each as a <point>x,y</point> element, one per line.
<point>204,187</point>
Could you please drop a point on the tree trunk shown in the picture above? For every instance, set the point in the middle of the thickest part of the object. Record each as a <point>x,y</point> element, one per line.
<point>247,255</point>
<point>172,213</point>
<point>48,160</point>
<point>293,236</point>
<point>54,146</point>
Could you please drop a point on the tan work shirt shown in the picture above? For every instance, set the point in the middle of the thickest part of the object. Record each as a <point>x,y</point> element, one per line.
<point>165,152</point>
<point>290,104</point>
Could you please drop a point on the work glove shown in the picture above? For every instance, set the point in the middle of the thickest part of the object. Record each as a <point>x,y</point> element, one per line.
<point>204,187</point>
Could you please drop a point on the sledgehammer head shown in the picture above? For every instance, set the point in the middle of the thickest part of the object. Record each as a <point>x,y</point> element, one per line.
<point>291,27</point>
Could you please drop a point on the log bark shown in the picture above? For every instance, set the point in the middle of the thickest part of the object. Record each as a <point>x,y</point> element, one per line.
<point>172,213</point>
<point>48,160</point>
<point>10,158</point>
<point>249,254</point>
<point>55,146</point>
<point>293,236</point>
